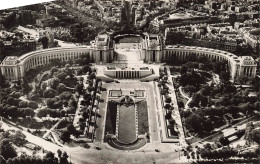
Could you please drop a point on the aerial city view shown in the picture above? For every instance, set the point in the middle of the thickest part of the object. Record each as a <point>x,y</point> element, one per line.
<point>130,81</point>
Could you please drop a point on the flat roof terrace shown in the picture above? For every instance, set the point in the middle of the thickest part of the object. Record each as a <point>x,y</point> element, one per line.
<point>226,54</point>
<point>21,58</point>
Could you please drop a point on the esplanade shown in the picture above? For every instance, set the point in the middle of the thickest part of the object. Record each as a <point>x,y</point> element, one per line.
<point>102,50</point>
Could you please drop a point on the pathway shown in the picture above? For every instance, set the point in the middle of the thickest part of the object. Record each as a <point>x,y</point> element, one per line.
<point>176,113</point>
<point>185,96</point>
<point>49,131</point>
<point>77,115</point>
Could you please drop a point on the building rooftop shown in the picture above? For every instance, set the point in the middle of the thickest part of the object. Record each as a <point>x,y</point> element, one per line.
<point>102,40</point>
<point>10,60</point>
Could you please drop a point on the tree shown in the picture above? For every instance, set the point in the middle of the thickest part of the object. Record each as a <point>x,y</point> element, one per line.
<point>61,88</point>
<point>223,141</point>
<point>86,68</point>
<point>33,96</point>
<point>167,106</point>
<point>23,104</point>
<point>13,101</point>
<point>45,42</point>
<point>71,129</point>
<point>164,91</point>
<point>224,76</point>
<point>65,136</point>
<point>232,19</point>
<point>6,149</point>
<point>16,95</point>
<point>59,152</point>
<point>24,112</point>
<point>195,123</point>
<point>43,86</point>
<point>191,89</point>
<point>65,96</point>
<point>168,115</point>
<point>73,103</point>
<point>42,112</point>
<point>85,115</point>
<point>50,158</point>
<point>64,158</point>
<point>168,100</point>
<point>19,138</point>
<point>79,88</point>
<point>2,160</point>
<point>61,76</point>
<point>255,135</point>
<point>53,103</point>
<point>3,82</point>
<point>183,69</point>
<point>53,70</point>
<point>92,76</point>
<point>33,104</point>
<point>49,93</point>
<point>26,88</point>
<point>90,89</point>
<point>181,104</point>
<point>54,83</point>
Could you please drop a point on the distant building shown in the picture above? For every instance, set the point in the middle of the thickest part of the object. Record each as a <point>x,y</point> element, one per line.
<point>127,14</point>
<point>45,22</point>
<point>53,9</point>
<point>181,18</point>
<point>24,17</point>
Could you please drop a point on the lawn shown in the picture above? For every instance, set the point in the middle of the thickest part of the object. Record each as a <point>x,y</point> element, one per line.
<point>142,114</point>
<point>111,118</point>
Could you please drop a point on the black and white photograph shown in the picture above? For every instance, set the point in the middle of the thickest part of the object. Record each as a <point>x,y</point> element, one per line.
<point>129,81</point>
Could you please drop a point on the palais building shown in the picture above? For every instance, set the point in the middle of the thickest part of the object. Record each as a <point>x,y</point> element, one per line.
<point>101,51</point>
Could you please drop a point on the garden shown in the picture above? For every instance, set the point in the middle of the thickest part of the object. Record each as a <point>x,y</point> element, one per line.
<point>142,115</point>
<point>214,104</point>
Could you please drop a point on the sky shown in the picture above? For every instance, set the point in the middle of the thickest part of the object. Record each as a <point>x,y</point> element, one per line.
<point>4,4</point>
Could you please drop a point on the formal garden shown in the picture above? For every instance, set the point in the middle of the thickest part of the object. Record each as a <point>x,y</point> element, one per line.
<point>132,123</point>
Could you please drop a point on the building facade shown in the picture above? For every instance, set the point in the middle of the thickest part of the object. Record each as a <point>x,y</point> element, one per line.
<point>101,51</point>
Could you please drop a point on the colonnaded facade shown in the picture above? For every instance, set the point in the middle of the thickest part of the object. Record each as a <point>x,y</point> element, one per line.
<point>102,51</point>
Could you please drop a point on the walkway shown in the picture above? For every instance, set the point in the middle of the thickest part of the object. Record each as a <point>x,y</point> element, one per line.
<point>175,114</point>
<point>77,115</point>
<point>49,131</point>
<point>185,96</point>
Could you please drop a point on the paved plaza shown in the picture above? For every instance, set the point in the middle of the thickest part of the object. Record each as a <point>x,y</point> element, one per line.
<point>128,54</point>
